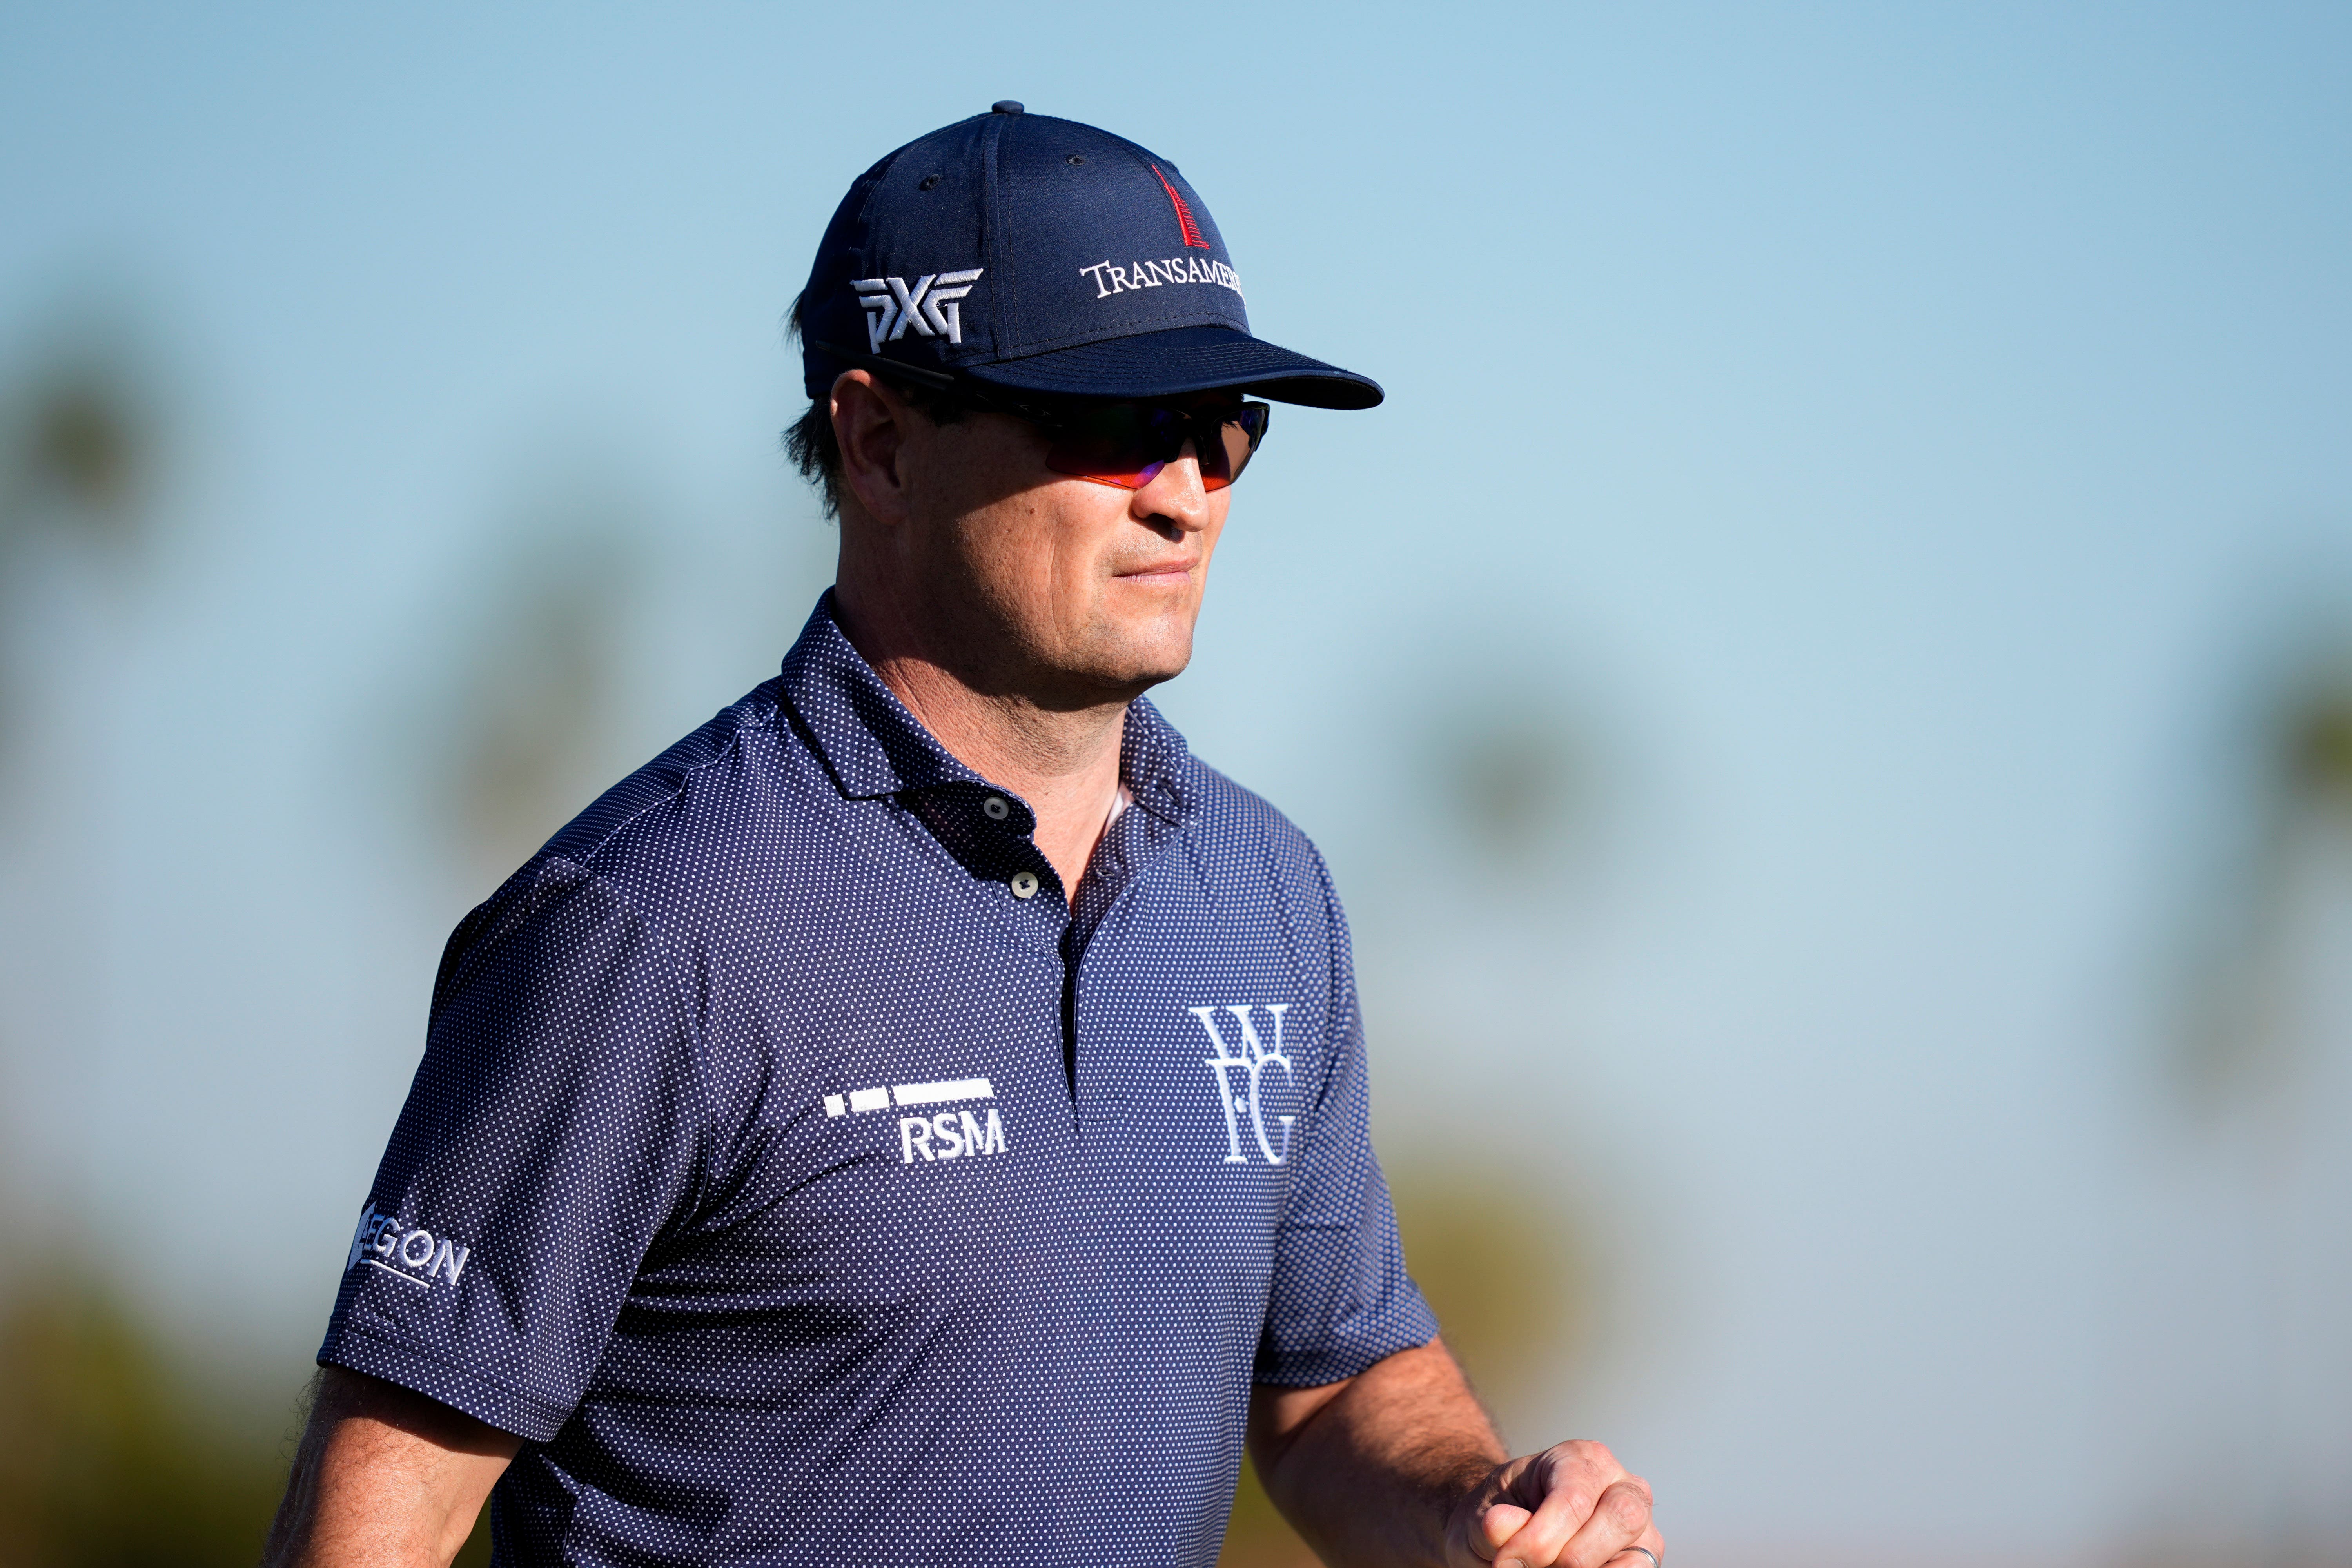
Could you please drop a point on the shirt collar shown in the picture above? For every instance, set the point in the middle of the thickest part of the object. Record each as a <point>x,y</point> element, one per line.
<point>874,747</point>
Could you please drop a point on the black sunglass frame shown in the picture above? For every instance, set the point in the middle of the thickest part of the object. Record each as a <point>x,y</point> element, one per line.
<point>1063,418</point>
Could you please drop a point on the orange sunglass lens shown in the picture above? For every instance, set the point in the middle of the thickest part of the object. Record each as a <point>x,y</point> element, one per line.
<point>1127,444</point>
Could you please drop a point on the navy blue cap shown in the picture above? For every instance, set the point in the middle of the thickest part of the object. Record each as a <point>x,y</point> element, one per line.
<point>1041,254</point>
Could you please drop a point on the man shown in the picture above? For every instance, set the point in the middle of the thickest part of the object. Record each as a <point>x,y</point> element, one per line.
<point>921,1118</point>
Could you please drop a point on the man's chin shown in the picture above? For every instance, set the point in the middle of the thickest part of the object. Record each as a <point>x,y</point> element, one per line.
<point>1127,682</point>
<point>1127,671</point>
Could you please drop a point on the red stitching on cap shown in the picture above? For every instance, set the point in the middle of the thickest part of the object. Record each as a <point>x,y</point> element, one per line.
<point>1183,213</point>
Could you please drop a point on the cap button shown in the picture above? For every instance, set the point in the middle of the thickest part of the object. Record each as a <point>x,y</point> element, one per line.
<point>1005,106</point>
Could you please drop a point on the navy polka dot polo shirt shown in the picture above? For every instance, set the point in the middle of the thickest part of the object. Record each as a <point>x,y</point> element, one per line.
<point>805,1181</point>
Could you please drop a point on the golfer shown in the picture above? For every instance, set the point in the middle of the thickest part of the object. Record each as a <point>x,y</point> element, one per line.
<point>919,1118</point>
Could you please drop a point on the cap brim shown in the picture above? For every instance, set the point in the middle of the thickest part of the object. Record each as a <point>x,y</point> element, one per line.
<point>1182,360</point>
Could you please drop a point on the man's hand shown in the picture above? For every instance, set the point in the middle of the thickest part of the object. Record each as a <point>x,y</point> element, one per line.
<point>1398,1465</point>
<point>1572,1505</point>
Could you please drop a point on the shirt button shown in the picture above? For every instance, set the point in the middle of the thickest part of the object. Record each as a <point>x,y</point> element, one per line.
<point>1024,884</point>
<point>996,808</point>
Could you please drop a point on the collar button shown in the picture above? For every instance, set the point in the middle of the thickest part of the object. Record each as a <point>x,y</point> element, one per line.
<point>996,807</point>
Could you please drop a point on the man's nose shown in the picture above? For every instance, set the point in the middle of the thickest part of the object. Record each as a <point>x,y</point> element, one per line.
<point>1176,493</point>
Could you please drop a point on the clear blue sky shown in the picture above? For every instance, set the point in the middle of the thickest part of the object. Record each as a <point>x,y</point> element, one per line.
<point>1889,437</point>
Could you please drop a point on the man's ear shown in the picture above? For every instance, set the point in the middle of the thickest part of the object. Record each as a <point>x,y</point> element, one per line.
<point>871,423</point>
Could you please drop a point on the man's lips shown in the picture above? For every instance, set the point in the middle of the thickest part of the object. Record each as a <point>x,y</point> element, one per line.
<point>1155,572</point>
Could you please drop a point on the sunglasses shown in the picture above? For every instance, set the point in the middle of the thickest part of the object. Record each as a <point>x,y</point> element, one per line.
<point>1127,444</point>
<point>1121,444</point>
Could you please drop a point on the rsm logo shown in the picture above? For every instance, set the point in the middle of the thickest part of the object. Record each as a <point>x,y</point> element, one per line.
<point>1239,1067</point>
<point>948,1135</point>
<point>416,1255</point>
<point>935,1135</point>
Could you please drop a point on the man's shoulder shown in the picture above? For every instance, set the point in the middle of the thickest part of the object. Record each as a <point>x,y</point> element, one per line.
<point>1239,831</point>
<point>702,804</point>
<point>711,780</point>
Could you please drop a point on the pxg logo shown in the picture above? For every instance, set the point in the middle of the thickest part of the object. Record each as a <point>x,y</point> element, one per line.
<point>932,307</point>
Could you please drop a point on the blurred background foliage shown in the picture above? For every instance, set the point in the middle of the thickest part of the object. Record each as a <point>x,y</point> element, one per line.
<point>118,1449</point>
<point>124,1447</point>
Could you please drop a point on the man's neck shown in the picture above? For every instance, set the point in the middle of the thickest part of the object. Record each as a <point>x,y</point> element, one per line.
<point>1064,762</point>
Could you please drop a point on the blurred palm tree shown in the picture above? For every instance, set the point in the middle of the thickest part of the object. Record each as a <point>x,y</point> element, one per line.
<point>78,450</point>
<point>2258,1061</point>
<point>1519,779</point>
<point>530,714</point>
<point>2301,803</point>
<point>534,716</point>
<point>81,439</point>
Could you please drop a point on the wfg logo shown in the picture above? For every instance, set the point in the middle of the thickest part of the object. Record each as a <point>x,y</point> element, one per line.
<point>932,307</point>
<point>1248,1059</point>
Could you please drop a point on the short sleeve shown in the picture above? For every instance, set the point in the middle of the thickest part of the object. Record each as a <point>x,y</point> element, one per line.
<point>1342,1300</point>
<point>551,1135</point>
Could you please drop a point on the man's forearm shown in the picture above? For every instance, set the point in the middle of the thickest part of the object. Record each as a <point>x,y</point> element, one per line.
<point>383,1475</point>
<point>1370,1475</point>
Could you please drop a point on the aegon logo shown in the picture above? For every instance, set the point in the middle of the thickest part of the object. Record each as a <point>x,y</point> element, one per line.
<point>955,1133</point>
<point>930,307</point>
<point>1249,1058</point>
<point>419,1257</point>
